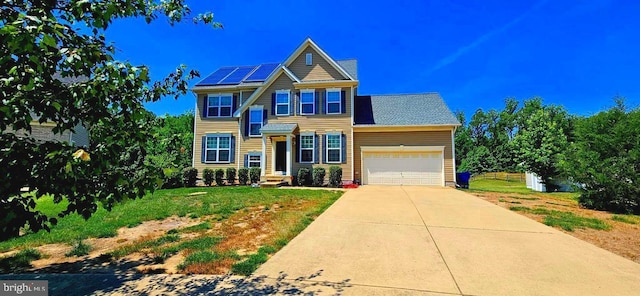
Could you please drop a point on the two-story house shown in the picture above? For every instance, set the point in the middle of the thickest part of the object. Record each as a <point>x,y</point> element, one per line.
<point>306,112</point>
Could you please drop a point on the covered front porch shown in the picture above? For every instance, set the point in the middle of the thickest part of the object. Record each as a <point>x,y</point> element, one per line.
<point>277,149</point>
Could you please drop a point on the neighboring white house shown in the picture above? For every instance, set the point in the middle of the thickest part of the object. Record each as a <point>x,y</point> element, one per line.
<point>535,183</point>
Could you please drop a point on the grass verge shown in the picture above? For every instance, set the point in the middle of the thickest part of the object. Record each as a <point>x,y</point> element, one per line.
<point>624,219</point>
<point>249,265</point>
<point>565,220</point>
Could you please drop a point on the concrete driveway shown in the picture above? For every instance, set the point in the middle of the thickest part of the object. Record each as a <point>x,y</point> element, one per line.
<point>381,240</point>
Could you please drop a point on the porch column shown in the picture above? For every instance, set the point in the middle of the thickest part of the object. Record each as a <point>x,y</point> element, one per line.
<point>263,160</point>
<point>288,173</point>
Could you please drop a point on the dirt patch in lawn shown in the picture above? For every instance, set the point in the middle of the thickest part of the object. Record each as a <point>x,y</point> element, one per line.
<point>164,246</point>
<point>623,238</point>
<point>54,258</point>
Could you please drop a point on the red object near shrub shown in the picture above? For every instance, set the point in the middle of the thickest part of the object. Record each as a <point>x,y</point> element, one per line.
<point>349,184</point>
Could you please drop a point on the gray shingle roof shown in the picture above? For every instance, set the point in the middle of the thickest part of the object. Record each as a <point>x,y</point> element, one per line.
<point>351,66</point>
<point>278,127</point>
<point>413,109</point>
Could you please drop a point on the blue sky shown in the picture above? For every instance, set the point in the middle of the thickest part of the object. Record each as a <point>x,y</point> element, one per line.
<point>578,54</point>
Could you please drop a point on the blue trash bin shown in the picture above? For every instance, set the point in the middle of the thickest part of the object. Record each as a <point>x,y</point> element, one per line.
<point>463,179</point>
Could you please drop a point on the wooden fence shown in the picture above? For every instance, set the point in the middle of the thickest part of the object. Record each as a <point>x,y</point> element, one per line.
<point>501,176</point>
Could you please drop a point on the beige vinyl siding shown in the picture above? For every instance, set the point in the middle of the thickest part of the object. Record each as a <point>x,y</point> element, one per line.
<point>208,126</point>
<point>245,95</point>
<point>319,70</point>
<point>214,125</point>
<point>415,138</point>
<point>320,124</point>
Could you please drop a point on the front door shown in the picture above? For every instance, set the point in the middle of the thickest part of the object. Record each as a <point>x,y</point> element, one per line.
<point>281,157</point>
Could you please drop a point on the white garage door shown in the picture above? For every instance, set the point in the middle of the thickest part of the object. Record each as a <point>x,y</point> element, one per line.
<point>403,168</point>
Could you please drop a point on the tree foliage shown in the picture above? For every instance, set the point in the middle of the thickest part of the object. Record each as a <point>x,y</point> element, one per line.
<point>56,65</point>
<point>541,142</point>
<point>605,159</point>
<point>171,144</point>
<point>504,140</point>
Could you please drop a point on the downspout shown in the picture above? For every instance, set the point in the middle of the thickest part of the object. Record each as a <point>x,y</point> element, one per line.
<point>239,135</point>
<point>353,173</point>
<point>193,142</point>
<point>453,151</point>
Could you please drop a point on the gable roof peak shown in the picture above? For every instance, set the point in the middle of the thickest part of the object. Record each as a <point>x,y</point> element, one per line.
<point>308,42</point>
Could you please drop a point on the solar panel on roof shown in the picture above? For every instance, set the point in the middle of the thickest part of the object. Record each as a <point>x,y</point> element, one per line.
<point>216,76</point>
<point>262,72</point>
<point>236,76</point>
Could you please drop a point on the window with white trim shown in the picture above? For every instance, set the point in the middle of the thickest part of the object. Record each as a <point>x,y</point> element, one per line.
<point>308,59</point>
<point>254,160</point>
<point>307,101</point>
<point>219,105</point>
<point>334,101</point>
<point>256,119</point>
<point>218,149</point>
<point>307,148</point>
<point>334,148</point>
<point>282,102</point>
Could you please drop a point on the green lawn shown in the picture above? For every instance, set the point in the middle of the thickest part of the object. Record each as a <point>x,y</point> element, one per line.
<point>499,186</point>
<point>565,220</point>
<point>519,187</point>
<point>219,203</point>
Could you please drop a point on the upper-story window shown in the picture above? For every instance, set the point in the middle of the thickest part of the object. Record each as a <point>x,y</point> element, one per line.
<point>255,120</point>
<point>219,105</point>
<point>283,98</point>
<point>309,59</point>
<point>334,101</point>
<point>307,101</point>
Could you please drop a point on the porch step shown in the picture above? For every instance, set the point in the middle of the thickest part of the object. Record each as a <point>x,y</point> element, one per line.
<point>272,184</point>
<point>275,179</point>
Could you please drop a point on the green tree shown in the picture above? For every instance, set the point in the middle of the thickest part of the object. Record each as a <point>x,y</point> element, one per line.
<point>44,43</point>
<point>492,130</point>
<point>463,141</point>
<point>605,159</point>
<point>172,142</point>
<point>478,161</point>
<point>541,141</point>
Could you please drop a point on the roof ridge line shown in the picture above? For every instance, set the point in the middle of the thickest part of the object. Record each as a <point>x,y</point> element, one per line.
<point>402,94</point>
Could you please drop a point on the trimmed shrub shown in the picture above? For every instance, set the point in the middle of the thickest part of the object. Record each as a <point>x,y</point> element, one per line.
<point>219,177</point>
<point>304,177</point>
<point>335,176</point>
<point>207,176</point>
<point>172,179</point>
<point>189,177</point>
<point>243,176</point>
<point>231,176</point>
<point>318,176</point>
<point>254,174</point>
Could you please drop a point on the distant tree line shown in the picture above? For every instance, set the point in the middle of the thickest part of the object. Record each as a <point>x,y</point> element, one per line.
<point>600,154</point>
